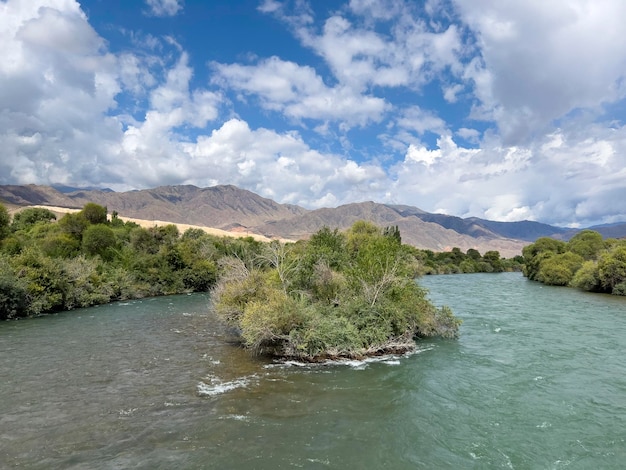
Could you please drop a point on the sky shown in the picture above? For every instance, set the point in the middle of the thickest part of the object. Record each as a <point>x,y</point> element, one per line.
<point>501,109</point>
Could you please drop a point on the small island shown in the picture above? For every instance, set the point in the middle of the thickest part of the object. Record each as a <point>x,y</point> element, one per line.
<point>336,295</point>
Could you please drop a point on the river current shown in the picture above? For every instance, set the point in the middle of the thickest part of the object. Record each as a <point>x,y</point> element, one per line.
<point>537,380</point>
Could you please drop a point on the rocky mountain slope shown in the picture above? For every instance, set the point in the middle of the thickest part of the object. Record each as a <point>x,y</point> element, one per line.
<point>238,210</point>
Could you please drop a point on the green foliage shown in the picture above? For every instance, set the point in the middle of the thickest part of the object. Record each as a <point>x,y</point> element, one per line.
<point>612,269</point>
<point>587,277</point>
<point>43,279</point>
<point>74,224</point>
<point>13,295</point>
<point>539,251</point>
<point>11,245</point>
<point>586,243</point>
<point>559,269</point>
<point>79,262</point>
<point>335,295</point>
<point>587,262</point>
<point>85,286</point>
<point>30,216</point>
<point>60,245</point>
<point>99,240</point>
<point>94,213</point>
<point>5,220</point>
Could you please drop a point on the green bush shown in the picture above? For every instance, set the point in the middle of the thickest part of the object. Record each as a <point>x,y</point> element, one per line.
<point>27,218</point>
<point>367,302</point>
<point>13,295</point>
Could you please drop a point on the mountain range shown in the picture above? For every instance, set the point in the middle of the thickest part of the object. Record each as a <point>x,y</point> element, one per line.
<point>238,211</point>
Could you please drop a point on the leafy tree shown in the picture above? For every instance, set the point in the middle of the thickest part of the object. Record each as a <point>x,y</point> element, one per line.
<point>86,287</point>
<point>74,224</point>
<point>493,258</point>
<point>535,253</point>
<point>587,277</point>
<point>5,220</point>
<point>559,270</point>
<point>60,245</point>
<point>13,295</point>
<point>612,269</point>
<point>586,243</point>
<point>94,213</point>
<point>99,240</point>
<point>30,216</point>
<point>359,233</point>
<point>44,280</point>
<point>144,240</point>
<point>394,232</point>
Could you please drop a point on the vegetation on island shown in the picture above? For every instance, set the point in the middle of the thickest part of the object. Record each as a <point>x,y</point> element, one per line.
<point>335,295</point>
<point>586,261</point>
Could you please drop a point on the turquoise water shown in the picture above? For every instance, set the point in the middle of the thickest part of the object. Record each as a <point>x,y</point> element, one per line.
<point>537,380</point>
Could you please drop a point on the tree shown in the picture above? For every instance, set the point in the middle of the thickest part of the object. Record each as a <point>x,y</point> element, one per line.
<point>586,243</point>
<point>587,277</point>
<point>5,220</point>
<point>493,258</point>
<point>13,296</point>
<point>612,268</point>
<point>99,240</point>
<point>30,216</point>
<point>74,224</point>
<point>535,253</point>
<point>559,270</point>
<point>94,213</point>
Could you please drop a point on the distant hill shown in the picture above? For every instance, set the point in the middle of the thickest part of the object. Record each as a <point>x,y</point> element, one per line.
<point>617,230</point>
<point>237,210</point>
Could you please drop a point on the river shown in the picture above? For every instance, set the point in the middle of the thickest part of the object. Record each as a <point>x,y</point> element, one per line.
<point>537,380</point>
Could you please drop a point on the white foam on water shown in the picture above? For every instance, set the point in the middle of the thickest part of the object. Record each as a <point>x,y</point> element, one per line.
<point>217,386</point>
<point>323,462</point>
<point>392,362</point>
<point>128,412</point>
<point>236,417</point>
<point>356,364</point>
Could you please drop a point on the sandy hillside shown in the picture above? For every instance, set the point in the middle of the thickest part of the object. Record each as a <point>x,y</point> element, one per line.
<point>59,211</point>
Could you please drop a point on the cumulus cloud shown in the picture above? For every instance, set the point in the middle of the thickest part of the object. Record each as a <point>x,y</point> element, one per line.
<point>59,88</point>
<point>164,7</point>
<point>298,92</point>
<point>554,179</point>
<point>279,166</point>
<point>540,61</point>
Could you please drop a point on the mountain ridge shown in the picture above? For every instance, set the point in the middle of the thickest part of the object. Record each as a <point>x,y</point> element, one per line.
<point>227,207</point>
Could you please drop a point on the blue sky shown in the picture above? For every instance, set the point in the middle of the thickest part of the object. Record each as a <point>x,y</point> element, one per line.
<point>504,110</point>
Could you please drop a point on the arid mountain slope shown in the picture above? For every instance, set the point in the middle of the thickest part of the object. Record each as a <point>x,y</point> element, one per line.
<point>237,210</point>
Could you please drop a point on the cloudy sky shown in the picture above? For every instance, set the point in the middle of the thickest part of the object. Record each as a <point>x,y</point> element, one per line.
<point>501,109</point>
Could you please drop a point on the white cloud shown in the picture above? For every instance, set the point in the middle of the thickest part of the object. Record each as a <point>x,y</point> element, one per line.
<point>543,60</point>
<point>164,7</point>
<point>560,178</point>
<point>299,93</point>
<point>409,55</point>
<point>418,120</point>
<point>281,166</point>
